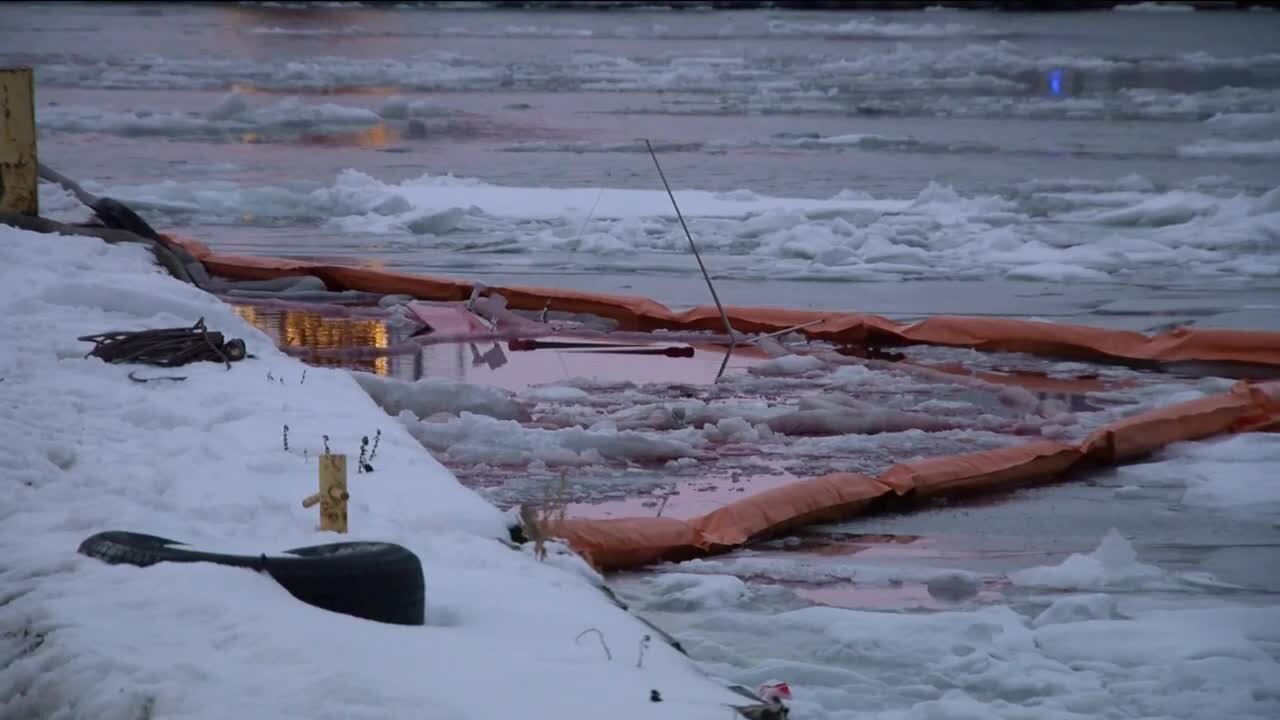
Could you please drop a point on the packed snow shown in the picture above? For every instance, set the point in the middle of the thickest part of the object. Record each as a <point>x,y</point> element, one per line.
<point>203,461</point>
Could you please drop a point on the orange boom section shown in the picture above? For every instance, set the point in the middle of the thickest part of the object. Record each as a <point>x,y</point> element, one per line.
<point>638,313</point>
<point>613,544</point>
<point>631,542</point>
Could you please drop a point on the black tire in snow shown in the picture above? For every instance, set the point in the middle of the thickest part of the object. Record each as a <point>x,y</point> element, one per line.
<point>375,581</point>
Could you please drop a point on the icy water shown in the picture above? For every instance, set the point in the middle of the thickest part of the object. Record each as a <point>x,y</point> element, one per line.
<point>1039,155</point>
<point>1116,168</point>
<point>1146,591</point>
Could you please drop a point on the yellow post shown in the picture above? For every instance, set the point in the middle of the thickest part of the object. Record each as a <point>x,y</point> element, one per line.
<point>18,172</point>
<point>333,493</point>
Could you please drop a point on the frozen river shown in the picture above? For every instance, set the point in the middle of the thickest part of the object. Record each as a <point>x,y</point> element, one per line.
<point>1114,168</point>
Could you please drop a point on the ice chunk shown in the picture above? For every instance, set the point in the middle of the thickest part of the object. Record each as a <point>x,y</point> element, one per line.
<point>953,586</point>
<point>1261,149</point>
<point>437,223</point>
<point>1057,272</point>
<point>1114,563</point>
<point>1173,208</point>
<point>1077,608</point>
<point>1249,487</point>
<point>429,396</point>
<point>557,393</point>
<point>732,430</point>
<point>853,375</point>
<point>1153,642</point>
<point>232,105</point>
<point>788,365</point>
<point>1246,124</point>
<point>476,438</point>
<point>683,592</point>
<point>1229,475</point>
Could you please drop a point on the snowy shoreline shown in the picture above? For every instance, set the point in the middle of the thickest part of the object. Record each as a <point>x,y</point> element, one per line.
<point>202,461</point>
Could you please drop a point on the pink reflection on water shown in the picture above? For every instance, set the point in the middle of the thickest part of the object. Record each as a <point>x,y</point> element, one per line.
<point>690,499</point>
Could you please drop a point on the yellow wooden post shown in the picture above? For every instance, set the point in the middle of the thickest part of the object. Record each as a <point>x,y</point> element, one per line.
<point>333,493</point>
<point>18,172</point>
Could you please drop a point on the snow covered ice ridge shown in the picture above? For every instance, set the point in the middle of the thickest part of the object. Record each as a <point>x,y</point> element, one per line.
<point>202,462</point>
<point>1106,232</point>
<point>985,77</point>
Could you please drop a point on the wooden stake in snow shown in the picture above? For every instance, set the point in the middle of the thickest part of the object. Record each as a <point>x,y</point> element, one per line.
<point>333,493</point>
<point>18,165</point>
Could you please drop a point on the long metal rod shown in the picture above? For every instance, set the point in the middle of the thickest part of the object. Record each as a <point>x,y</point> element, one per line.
<point>733,341</point>
<point>758,338</point>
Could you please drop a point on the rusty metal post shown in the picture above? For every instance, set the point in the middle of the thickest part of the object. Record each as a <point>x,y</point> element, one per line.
<point>18,172</point>
<point>333,493</point>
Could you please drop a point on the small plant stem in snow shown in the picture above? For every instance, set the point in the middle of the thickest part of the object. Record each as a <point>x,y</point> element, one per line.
<point>599,634</point>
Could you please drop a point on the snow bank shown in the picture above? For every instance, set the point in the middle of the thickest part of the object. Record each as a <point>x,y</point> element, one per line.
<point>203,461</point>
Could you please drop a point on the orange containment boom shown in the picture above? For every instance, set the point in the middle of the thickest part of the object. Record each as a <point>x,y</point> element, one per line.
<point>1077,342</point>
<point>612,544</point>
<point>616,544</point>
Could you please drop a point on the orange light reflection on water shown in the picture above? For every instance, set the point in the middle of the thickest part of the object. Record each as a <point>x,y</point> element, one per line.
<point>307,330</point>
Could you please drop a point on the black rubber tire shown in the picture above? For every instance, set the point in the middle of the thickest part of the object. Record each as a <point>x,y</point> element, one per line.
<point>375,581</point>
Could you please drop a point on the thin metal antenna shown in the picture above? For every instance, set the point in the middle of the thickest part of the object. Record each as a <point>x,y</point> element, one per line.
<point>733,339</point>
<point>792,329</point>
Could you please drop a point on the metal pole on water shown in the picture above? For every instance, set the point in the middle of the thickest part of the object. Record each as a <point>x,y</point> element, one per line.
<point>19,182</point>
<point>733,338</point>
